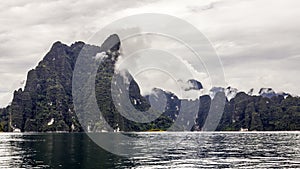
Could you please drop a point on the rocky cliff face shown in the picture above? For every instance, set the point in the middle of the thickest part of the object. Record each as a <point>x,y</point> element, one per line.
<point>47,95</point>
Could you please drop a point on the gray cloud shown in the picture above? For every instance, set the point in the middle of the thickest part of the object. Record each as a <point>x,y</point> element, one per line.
<point>28,29</point>
<point>257,42</point>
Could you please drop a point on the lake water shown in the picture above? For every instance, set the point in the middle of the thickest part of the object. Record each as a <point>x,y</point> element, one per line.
<point>193,150</point>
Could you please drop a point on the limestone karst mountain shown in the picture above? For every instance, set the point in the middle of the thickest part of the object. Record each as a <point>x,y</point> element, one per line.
<point>46,103</point>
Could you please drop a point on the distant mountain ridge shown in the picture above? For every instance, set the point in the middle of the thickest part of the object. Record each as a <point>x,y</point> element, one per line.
<point>46,103</point>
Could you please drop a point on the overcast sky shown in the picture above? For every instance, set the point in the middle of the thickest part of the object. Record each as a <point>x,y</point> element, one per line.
<point>257,40</point>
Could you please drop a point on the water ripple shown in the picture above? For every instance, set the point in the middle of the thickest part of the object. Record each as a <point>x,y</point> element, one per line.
<point>183,150</point>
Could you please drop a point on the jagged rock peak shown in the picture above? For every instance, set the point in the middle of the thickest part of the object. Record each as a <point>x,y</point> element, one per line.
<point>250,92</point>
<point>231,92</point>
<point>57,49</point>
<point>267,92</point>
<point>58,45</point>
<point>112,43</point>
<point>78,43</point>
<point>193,85</point>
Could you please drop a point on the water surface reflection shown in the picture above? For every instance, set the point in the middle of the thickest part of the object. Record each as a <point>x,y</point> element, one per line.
<point>193,150</point>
